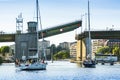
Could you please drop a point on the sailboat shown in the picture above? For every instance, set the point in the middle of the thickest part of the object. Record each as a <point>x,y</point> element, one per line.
<point>33,63</point>
<point>89,62</point>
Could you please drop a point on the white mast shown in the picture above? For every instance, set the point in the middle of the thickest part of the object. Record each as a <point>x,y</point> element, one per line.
<point>39,18</point>
<point>37,26</point>
<point>89,43</point>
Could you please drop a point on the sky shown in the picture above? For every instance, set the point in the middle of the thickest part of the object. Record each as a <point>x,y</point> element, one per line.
<point>104,14</point>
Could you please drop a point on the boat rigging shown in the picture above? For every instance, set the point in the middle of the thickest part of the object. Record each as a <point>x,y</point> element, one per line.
<point>89,62</point>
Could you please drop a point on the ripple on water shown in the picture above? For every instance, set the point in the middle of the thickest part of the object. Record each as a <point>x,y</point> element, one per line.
<point>61,71</point>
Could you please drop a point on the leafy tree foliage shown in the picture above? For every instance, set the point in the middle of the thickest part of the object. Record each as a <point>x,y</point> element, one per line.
<point>53,49</point>
<point>5,49</point>
<point>0,50</point>
<point>116,51</point>
<point>59,48</point>
<point>1,60</point>
<point>104,50</point>
<point>58,52</point>
<point>61,55</point>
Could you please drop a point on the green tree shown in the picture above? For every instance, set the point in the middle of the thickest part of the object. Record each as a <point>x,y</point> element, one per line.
<point>59,48</point>
<point>116,51</point>
<point>5,49</point>
<point>53,49</point>
<point>104,50</point>
<point>61,55</point>
<point>0,51</point>
<point>1,60</point>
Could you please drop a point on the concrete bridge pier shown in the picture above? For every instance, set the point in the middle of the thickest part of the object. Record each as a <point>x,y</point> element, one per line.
<point>82,49</point>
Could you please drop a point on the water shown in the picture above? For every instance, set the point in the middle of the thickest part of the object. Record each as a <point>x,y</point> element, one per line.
<point>61,71</point>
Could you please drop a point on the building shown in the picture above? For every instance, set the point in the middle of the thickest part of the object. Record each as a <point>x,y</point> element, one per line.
<point>73,51</point>
<point>12,49</point>
<point>43,47</point>
<point>26,43</point>
<point>41,44</point>
<point>97,43</point>
<point>113,42</point>
<point>65,45</point>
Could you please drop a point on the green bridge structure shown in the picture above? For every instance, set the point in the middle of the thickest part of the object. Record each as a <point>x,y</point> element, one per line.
<point>46,32</point>
<point>82,39</point>
<point>26,43</point>
<point>103,34</point>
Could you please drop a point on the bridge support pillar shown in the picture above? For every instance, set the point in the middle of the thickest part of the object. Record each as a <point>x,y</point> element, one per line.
<point>81,50</point>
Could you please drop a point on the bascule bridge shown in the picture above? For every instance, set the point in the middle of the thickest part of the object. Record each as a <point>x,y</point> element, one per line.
<point>26,43</point>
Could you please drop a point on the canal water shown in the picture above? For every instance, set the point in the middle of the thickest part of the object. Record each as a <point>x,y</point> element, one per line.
<point>61,70</point>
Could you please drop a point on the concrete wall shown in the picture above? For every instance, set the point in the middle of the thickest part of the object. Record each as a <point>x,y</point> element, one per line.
<point>81,50</point>
<point>25,44</point>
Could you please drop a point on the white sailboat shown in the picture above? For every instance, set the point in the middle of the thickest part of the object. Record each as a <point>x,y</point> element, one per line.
<point>89,62</point>
<point>34,63</point>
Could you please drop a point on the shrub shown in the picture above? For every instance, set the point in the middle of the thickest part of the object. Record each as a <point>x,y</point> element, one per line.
<point>1,60</point>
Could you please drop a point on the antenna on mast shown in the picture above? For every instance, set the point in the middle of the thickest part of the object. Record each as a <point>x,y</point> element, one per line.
<point>19,24</point>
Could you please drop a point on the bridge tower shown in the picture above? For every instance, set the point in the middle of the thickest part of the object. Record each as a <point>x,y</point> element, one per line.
<point>19,24</point>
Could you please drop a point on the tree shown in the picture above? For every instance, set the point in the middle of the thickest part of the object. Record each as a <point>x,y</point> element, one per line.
<point>5,49</point>
<point>116,51</point>
<point>0,50</point>
<point>53,49</point>
<point>104,50</point>
<point>61,55</point>
<point>1,60</point>
<point>59,48</point>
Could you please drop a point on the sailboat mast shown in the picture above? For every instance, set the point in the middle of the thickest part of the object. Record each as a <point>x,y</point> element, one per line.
<point>39,18</point>
<point>37,25</point>
<point>89,48</point>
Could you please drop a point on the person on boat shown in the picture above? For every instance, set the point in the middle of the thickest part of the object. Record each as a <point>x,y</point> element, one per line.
<point>43,60</point>
<point>17,62</point>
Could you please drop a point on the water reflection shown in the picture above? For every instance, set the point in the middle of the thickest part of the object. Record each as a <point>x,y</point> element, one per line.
<point>79,64</point>
<point>62,71</point>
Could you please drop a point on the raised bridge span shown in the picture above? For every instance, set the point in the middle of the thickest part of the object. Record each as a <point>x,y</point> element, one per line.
<point>81,38</point>
<point>46,32</point>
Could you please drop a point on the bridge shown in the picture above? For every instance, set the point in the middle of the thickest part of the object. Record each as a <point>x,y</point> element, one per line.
<point>46,32</point>
<point>23,41</point>
<point>82,40</point>
<point>108,34</point>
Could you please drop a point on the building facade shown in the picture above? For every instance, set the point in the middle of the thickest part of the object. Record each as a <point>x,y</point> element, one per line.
<point>26,43</point>
<point>43,48</point>
<point>113,42</point>
<point>65,45</point>
<point>97,43</point>
<point>73,51</point>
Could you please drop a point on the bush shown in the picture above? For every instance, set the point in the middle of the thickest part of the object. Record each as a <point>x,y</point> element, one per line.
<point>61,55</point>
<point>1,60</point>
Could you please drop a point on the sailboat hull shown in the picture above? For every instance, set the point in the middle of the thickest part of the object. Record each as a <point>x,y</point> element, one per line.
<point>89,64</point>
<point>34,66</point>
